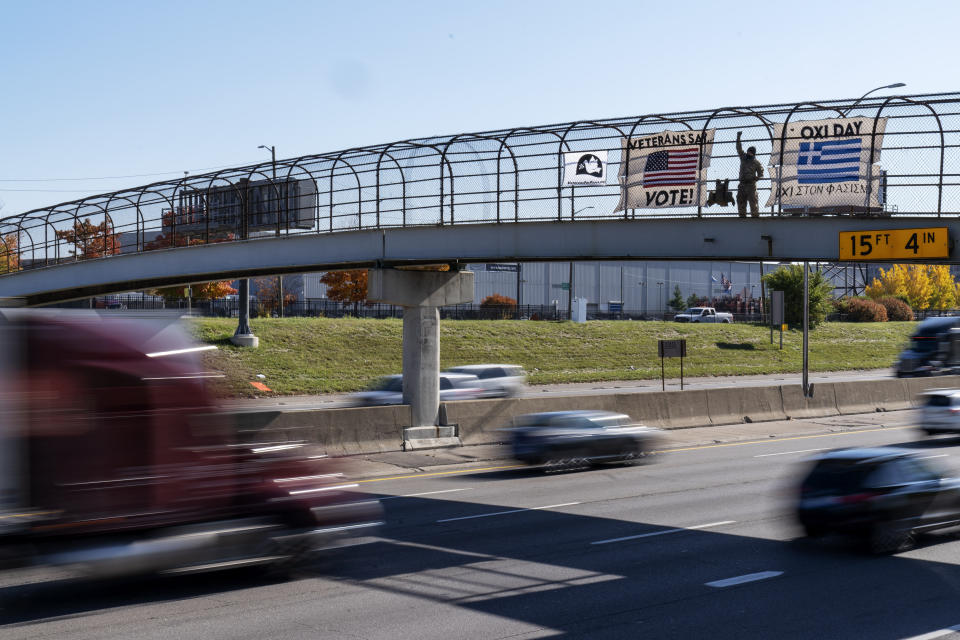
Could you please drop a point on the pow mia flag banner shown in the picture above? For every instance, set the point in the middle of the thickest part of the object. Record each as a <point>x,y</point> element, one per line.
<point>667,169</point>
<point>827,163</point>
<point>584,167</point>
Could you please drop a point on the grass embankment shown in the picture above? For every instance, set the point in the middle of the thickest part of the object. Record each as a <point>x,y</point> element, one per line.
<point>326,355</point>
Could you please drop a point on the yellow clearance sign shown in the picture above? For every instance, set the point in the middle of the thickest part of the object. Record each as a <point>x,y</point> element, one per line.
<point>894,244</point>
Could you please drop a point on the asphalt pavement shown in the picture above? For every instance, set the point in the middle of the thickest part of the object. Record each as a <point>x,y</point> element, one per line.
<point>697,542</point>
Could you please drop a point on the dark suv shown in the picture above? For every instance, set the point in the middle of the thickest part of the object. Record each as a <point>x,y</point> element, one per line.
<point>883,496</point>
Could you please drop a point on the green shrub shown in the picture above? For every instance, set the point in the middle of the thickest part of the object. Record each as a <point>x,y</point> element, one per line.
<point>897,309</point>
<point>864,310</point>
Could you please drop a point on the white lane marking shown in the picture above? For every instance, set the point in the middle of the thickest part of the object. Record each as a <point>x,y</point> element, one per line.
<point>502,513</point>
<point>664,532</point>
<point>786,453</point>
<point>426,493</point>
<point>939,633</point>
<point>750,577</point>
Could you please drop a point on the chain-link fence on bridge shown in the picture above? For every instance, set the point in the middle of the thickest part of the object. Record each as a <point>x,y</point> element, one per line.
<point>895,156</point>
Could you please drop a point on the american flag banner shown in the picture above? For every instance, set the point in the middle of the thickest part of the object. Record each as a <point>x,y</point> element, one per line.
<point>672,167</point>
<point>666,169</point>
<point>827,163</point>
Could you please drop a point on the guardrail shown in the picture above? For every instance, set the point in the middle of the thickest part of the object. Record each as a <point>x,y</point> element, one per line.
<point>505,176</point>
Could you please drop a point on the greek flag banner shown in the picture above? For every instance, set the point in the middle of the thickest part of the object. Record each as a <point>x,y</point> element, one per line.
<point>824,164</point>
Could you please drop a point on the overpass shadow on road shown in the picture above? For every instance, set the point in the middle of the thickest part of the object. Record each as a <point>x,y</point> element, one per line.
<point>539,573</point>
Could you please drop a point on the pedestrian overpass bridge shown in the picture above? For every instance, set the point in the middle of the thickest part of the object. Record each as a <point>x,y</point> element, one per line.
<point>650,187</point>
<point>513,194</point>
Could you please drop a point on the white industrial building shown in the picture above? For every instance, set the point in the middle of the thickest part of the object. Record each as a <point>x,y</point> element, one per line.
<point>643,287</point>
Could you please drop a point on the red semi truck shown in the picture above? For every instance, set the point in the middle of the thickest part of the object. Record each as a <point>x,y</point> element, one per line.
<point>114,460</point>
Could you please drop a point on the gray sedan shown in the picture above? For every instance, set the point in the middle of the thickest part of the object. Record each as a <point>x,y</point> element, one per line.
<point>574,438</point>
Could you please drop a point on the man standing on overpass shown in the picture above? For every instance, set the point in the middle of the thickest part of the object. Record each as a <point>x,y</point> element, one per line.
<point>750,171</point>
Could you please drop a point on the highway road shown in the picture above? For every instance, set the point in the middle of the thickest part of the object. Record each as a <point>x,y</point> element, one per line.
<point>329,401</point>
<point>697,543</point>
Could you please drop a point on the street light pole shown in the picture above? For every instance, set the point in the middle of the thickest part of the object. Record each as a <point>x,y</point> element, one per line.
<point>660,297</point>
<point>895,85</point>
<point>276,191</point>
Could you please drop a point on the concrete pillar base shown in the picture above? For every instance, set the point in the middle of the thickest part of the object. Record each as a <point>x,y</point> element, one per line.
<point>420,293</point>
<point>415,438</point>
<point>245,340</point>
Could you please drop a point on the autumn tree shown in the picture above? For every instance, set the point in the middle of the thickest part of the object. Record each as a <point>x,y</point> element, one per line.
<point>942,287</point>
<point>91,240</point>
<point>205,290</point>
<point>9,253</point>
<point>346,286</point>
<point>268,294</point>
<point>499,305</point>
<point>891,283</point>
<point>202,291</point>
<point>921,286</point>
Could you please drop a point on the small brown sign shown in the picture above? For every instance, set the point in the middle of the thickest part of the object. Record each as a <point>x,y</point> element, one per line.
<point>672,348</point>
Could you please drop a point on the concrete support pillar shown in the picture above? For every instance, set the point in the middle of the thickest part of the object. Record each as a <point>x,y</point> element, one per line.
<point>421,363</point>
<point>420,293</point>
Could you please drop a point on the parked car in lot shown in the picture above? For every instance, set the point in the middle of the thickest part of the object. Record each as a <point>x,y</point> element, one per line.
<point>496,380</point>
<point>703,314</point>
<point>940,411</point>
<point>565,438</point>
<point>389,390</point>
<point>883,496</point>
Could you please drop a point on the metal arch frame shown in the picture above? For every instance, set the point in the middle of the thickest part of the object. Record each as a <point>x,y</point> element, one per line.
<point>56,245</point>
<point>162,196</point>
<point>443,161</point>
<point>563,141</point>
<point>356,176</point>
<point>245,194</point>
<point>509,134</point>
<point>206,195</point>
<point>403,184</point>
<point>295,163</point>
<point>743,112</point>
<point>139,232</point>
<point>626,160</point>
<point>783,139</point>
<point>6,250</point>
<point>873,140</point>
<point>516,168</point>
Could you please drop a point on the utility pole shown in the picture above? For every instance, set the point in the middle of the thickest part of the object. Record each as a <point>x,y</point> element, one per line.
<point>276,193</point>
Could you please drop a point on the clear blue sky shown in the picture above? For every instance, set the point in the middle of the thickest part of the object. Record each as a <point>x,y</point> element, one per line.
<point>121,88</point>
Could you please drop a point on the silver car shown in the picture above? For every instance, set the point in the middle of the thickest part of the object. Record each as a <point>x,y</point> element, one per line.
<point>940,412</point>
<point>496,380</point>
<point>389,390</point>
<point>574,438</point>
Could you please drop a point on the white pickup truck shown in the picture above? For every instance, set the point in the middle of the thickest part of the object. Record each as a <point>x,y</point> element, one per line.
<point>703,314</point>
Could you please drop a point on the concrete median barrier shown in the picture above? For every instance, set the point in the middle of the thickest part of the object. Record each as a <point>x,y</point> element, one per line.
<point>357,430</point>
<point>666,409</point>
<point>745,404</point>
<point>339,431</point>
<point>823,402</point>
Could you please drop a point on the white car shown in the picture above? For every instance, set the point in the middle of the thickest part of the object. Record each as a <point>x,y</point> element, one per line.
<point>496,380</point>
<point>940,412</point>
<point>389,390</point>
